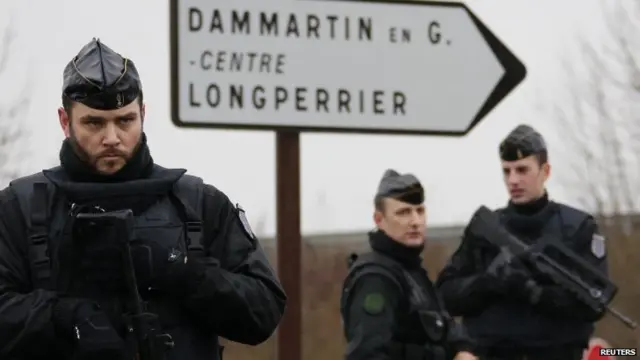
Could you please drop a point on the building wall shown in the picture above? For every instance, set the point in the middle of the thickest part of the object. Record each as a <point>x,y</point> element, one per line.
<point>449,235</point>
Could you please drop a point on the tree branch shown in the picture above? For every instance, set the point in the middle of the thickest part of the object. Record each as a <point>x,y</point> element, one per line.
<point>12,115</point>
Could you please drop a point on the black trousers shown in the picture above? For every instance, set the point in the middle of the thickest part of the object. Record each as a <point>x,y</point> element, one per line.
<point>551,353</point>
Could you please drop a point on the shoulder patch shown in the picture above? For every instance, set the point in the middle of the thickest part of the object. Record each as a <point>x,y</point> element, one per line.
<point>374,303</point>
<point>598,246</point>
<point>245,222</point>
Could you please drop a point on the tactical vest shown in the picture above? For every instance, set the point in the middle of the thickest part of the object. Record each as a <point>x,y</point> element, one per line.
<point>174,221</point>
<point>434,320</point>
<point>509,323</point>
<point>38,202</point>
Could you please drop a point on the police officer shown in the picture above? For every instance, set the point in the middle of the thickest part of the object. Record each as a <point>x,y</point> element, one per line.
<point>200,269</point>
<point>517,313</point>
<point>389,307</point>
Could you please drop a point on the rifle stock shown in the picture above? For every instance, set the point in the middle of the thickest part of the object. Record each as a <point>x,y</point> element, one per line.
<point>559,263</point>
<point>151,343</point>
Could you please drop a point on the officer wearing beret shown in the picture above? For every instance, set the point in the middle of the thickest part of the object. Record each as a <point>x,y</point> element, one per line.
<point>517,313</point>
<point>200,270</point>
<point>389,307</point>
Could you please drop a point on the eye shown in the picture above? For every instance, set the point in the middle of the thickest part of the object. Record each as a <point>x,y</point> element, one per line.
<point>94,123</point>
<point>125,120</point>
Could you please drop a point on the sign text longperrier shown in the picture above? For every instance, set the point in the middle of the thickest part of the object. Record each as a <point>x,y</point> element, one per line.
<point>335,65</point>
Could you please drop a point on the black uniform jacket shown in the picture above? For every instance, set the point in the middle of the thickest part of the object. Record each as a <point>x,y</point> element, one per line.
<point>241,300</point>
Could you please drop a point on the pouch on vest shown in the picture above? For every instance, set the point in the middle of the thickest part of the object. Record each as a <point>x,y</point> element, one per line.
<point>434,323</point>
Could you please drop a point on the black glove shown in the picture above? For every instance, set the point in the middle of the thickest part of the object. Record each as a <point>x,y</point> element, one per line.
<point>519,281</point>
<point>168,270</point>
<point>88,331</point>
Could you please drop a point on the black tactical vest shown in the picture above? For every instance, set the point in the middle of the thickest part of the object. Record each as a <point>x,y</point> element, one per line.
<point>173,221</point>
<point>510,323</point>
<point>423,328</point>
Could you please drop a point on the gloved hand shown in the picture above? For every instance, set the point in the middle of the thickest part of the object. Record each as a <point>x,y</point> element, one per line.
<point>491,283</point>
<point>88,331</point>
<point>518,280</point>
<point>168,270</point>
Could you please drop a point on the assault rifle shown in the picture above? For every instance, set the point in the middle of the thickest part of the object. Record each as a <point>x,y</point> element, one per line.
<point>152,344</point>
<point>551,258</point>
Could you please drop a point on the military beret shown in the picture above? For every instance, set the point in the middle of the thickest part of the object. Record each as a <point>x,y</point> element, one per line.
<point>404,187</point>
<point>522,142</point>
<point>100,78</point>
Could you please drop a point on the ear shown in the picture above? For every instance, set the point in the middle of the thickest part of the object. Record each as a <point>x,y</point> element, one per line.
<point>377,217</point>
<point>65,123</point>
<point>546,171</point>
<point>143,112</point>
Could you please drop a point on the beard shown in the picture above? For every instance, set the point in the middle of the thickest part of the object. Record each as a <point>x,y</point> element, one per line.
<point>92,160</point>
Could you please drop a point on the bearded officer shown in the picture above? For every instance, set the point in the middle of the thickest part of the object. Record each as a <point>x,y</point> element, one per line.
<point>199,266</point>
<point>517,313</point>
<point>389,307</point>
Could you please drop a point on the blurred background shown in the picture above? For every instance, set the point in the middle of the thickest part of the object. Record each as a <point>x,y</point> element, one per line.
<point>582,92</point>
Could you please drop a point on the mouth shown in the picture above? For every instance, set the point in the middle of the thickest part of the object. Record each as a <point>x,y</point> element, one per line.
<point>111,155</point>
<point>516,192</point>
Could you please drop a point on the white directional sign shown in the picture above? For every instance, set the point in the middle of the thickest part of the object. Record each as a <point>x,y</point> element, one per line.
<point>352,66</point>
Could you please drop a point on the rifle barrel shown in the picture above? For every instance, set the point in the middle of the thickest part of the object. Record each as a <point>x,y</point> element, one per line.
<point>630,323</point>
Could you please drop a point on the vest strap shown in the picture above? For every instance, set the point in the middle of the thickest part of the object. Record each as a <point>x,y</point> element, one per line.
<point>193,224</point>
<point>39,260</point>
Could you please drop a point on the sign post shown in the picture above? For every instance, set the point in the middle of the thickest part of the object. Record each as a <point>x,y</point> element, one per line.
<point>289,241</point>
<point>354,66</point>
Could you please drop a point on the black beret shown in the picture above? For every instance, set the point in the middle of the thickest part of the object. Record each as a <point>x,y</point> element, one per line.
<point>522,142</point>
<point>100,78</point>
<point>404,187</point>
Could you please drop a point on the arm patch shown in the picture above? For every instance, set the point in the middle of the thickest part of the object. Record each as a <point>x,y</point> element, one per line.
<point>245,222</point>
<point>598,246</point>
<point>374,303</point>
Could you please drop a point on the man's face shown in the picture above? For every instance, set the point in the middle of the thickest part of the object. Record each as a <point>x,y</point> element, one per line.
<point>525,179</point>
<point>105,139</point>
<point>403,222</point>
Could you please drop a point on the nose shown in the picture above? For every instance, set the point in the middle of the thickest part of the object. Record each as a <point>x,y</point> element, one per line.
<point>111,135</point>
<point>513,178</point>
<point>415,219</point>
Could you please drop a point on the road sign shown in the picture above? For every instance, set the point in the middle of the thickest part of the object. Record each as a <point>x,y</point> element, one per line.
<point>340,66</point>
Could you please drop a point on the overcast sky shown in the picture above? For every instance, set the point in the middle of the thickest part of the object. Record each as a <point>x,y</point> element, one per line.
<point>339,172</point>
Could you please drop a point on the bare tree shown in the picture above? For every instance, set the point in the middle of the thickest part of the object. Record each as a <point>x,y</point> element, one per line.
<point>599,125</point>
<point>12,114</point>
